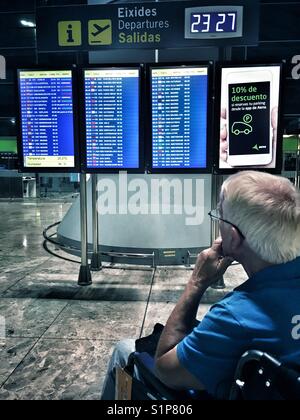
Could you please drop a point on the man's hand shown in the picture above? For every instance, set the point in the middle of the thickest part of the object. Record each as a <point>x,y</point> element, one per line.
<point>210,266</point>
<point>223,137</point>
<point>274,121</point>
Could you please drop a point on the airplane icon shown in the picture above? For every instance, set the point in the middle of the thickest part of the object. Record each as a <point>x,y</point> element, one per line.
<point>100,32</point>
<point>99,29</point>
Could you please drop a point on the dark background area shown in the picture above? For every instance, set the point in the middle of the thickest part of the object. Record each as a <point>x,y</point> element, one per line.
<point>279,39</point>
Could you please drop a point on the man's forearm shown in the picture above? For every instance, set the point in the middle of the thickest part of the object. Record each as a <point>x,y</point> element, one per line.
<point>182,319</point>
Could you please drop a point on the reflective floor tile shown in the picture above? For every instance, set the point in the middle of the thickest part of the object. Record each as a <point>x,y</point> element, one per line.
<point>99,320</point>
<point>60,370</point>
<point>29,317</point>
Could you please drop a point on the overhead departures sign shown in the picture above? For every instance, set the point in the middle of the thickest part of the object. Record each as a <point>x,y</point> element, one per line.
<point>148,25</point>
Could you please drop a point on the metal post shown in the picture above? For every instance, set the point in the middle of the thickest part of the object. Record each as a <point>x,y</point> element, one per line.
<point>96,264</point>
<point>216,183</point>
<point>225,53</point>
<point>85,278</point>
<point>297,181</point>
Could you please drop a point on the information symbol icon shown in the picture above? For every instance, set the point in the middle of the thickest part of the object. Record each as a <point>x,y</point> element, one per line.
<point>69,33</point>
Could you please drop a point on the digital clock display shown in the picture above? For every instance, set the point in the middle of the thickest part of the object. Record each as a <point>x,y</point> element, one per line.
<point>213,22</point>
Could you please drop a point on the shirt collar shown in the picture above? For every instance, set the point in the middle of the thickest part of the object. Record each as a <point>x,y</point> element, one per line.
<point>287,271</point>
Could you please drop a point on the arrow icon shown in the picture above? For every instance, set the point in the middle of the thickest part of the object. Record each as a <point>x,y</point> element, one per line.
<point>256,147</point>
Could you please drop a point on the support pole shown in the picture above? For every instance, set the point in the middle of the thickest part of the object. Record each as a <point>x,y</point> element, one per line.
<point>297,181</point>
<point>96,264</point>
<point>85,278</point>
<point>216,184</point>
<point>225,53</point>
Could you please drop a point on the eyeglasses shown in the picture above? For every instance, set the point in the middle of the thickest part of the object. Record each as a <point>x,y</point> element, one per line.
<point>215,215</point>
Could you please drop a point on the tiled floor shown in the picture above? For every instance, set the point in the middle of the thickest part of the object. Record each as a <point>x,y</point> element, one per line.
<point>59,336</point>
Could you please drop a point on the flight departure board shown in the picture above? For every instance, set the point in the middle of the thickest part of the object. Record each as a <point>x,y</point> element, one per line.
<point>179,104</point>
<point>112,119</point>
<point>47,129</point>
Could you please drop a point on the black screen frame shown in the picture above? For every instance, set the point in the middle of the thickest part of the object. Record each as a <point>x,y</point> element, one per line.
<point>76,167</point>
<point>113,170</point>
<point>218,88</point>
<point>209,134</point>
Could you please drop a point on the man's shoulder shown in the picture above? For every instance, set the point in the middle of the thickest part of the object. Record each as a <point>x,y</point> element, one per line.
<point>234,298</point>
<point>235,305</point>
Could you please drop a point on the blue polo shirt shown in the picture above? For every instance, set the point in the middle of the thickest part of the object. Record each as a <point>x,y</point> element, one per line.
<point>257,315</point>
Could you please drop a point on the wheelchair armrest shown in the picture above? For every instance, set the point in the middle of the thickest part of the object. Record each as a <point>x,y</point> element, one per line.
<point>145,364</point>
<point>145,361</point>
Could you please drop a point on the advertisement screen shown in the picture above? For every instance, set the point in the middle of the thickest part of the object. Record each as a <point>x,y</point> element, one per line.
<point>249,117</point>
<point>112,98</point>
<point>47,120</point>
<point>179,98</point>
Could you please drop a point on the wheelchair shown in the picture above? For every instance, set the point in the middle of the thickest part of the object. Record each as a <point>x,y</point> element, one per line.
<point>258,376</point>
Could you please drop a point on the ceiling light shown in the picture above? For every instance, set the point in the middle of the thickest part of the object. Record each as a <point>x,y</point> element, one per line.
<point>27,23</point>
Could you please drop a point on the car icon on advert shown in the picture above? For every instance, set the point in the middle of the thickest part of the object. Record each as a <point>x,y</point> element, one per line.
<point>242,127</point>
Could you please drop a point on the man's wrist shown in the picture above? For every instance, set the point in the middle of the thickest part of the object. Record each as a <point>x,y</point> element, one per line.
<point>198,285</point>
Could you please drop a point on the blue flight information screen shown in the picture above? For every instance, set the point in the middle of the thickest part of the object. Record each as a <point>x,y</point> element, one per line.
<point>47,120</point>
<point>112,98</point>
<point>179,117</point>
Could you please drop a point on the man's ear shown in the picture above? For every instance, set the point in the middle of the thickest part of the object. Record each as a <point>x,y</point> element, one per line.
<point>236,240</point>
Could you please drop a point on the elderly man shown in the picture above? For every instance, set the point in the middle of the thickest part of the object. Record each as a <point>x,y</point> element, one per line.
<point>259,216</point>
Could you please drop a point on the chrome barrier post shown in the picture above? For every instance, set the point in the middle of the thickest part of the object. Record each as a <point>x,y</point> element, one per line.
<point>85,278</point>
<point>96,264</point>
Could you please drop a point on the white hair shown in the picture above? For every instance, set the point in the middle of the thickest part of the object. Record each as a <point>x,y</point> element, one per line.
<point>266,208</point>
